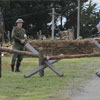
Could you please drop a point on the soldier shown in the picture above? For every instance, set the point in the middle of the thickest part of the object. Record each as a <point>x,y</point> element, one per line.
<point>98,27</point>
<point>19,37</point>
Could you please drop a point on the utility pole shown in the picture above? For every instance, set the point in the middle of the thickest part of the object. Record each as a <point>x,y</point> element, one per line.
<point>78,19</point>
<point>53,26</point>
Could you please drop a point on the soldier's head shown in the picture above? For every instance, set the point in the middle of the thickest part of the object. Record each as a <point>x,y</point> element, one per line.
<point>19,22</point>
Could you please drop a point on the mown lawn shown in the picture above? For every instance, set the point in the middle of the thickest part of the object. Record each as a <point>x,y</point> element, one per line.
<point>13,86</point>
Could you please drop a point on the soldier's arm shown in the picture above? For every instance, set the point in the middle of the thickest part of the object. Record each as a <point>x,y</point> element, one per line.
<point>24,40</point>
<point>25,36</point>
<point>16,38</point>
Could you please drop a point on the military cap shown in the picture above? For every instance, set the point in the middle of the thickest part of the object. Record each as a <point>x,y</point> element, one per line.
<point>19,20</point>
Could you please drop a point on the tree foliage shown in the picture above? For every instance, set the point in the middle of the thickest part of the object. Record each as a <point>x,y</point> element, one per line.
<point>36,15</point>
<point>89,19</point>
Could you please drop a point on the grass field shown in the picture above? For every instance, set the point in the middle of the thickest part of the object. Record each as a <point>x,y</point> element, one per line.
<point>13,86</point>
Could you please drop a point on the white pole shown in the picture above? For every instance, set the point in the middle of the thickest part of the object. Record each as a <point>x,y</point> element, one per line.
<point>78,19</point>
<point>53,27</point>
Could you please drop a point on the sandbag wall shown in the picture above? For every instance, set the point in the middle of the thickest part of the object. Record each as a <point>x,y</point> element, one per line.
<point>57,47</point>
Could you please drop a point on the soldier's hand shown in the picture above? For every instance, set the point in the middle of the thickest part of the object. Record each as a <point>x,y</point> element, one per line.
<point>22,41</point>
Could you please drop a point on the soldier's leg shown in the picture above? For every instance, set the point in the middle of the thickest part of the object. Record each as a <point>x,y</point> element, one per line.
<point>13,62</point>
<point>18,63</point>
<point>14,57</point>
<point>20,58</point>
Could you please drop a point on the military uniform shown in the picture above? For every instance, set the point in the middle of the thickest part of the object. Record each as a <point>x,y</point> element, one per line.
<point>18,34</point>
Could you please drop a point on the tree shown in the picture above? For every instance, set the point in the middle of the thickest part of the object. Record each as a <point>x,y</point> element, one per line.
<point>36,14</point>
<point>89,19</point>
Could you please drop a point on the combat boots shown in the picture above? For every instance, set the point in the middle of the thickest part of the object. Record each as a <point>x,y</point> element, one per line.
<point>17,68</point>
<point>12,68</point>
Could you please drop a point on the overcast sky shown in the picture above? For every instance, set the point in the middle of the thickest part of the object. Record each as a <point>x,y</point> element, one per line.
<point>96,1</point>
<point>64,20</point>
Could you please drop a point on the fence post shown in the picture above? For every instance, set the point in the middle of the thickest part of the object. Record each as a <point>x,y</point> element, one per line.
<point>41,61</point>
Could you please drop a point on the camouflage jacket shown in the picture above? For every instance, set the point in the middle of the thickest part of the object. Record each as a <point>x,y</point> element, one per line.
<point>18,34</point>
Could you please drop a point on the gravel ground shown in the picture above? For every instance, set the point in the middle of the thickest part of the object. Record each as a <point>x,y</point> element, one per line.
<point>91,91</point>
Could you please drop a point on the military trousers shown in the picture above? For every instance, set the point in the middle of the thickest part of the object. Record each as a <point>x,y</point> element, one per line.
<point>17,58</point>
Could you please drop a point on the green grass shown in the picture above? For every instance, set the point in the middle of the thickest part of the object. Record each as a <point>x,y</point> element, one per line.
<point>13,86</point>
